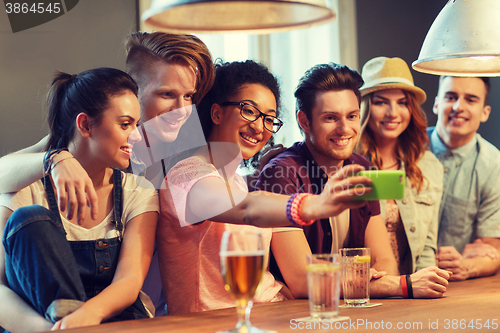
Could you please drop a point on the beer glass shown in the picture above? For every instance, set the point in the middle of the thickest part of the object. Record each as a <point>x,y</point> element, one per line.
<point>242,266</point>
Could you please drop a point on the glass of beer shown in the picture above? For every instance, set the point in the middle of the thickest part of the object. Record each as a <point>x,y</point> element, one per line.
<point>356,276</point>
<point>242,265</point>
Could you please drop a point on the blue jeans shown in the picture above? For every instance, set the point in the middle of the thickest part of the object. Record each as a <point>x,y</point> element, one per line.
<point>55,276</point>
<point>39,263</point>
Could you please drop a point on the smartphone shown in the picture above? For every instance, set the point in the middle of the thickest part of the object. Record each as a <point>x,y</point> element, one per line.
<point>386,184</point>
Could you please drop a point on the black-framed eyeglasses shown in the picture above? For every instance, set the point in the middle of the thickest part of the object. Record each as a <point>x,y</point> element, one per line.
<point>251,113</point>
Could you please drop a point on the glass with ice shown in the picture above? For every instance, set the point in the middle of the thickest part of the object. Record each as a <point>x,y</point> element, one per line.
<point>323,284</point>
<point>356,276</point>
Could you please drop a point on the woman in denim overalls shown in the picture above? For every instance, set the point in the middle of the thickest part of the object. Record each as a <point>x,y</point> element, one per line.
<point>68,272</point>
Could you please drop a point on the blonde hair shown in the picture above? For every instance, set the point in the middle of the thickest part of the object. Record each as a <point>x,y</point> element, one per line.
<point>144,50</point>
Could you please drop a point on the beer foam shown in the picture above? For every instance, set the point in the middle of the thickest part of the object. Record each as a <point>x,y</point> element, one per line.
<point>241,253</point>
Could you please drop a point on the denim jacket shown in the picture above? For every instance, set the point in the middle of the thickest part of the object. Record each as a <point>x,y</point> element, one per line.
<point>420,212</point>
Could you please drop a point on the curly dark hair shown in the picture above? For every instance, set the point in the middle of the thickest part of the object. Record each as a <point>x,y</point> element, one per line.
<point>230,77</point>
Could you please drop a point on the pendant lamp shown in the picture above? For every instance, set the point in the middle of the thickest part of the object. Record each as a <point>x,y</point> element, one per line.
<point>464,40</point>
<point>225,16</point>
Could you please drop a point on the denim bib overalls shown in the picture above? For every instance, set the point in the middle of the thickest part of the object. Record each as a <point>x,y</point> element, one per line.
<point>56,276</point>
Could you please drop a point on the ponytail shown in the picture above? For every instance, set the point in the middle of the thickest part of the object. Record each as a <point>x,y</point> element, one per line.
<point>60,124</point>
<point>88,92</point>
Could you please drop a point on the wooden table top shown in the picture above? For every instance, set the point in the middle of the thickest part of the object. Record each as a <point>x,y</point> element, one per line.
<point>469,306</point>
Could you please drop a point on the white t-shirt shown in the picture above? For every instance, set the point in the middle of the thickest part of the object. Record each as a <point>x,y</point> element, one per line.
<point>340,230</point>
<point>139,197</point>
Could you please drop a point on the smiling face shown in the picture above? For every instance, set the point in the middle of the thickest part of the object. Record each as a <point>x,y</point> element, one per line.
<point>460,107</point>
<point>166,99</point>
<point>113,137</point>
<point>230,126</point>
<point>333,132</point>
<point>389,114</point>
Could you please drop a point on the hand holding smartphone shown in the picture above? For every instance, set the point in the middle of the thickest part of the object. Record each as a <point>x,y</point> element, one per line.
<point>386,184</point>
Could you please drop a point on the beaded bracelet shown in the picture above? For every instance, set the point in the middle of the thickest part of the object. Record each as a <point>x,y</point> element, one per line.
<point>289,208</point>
<point>292,209</point>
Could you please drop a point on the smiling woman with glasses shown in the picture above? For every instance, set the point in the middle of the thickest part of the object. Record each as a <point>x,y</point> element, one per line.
<point>251,113</point>
<point>239,117</point>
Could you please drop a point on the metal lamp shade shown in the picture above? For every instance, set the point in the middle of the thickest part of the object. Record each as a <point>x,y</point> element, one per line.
<point>224,16</point>
<point>464,40</point>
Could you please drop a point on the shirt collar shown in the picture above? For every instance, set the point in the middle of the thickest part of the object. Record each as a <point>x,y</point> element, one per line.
<point>441,150</point>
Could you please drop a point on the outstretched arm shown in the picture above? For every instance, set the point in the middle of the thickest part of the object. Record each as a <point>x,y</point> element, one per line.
<point>74,188</point>
<point>209,199</point>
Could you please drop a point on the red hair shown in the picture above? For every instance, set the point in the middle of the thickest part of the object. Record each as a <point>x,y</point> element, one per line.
<point>412,143</point>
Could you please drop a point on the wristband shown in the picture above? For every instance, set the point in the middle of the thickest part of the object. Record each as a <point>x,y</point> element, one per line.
<point>403,286</point>
<point>409,286</point>
<point>48,159</point>
<point>293,209</point>
<point>62,159</point>
<point>289,208</point>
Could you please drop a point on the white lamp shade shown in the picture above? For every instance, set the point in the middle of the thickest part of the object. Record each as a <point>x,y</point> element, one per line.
<point>464,40</point>
<point>224,16</point>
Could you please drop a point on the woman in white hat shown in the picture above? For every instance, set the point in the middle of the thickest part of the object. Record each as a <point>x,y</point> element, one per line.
<point>393,137</point>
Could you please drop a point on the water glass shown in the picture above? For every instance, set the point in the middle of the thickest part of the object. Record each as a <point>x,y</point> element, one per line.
<point>323,285</point>
<point>356,276</point>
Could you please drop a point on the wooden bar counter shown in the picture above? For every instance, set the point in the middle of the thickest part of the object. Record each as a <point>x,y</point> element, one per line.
<point>469,306</point>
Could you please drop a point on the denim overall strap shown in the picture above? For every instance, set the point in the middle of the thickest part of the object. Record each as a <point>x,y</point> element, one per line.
<point>117,197</point>
<point>51,198</point>
<point>118,202</point>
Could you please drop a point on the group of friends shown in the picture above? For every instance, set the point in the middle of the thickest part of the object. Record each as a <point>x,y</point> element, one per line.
<point>120,210</point>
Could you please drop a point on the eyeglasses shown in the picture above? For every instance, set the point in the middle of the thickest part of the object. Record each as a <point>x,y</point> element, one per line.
<point>251,113</point>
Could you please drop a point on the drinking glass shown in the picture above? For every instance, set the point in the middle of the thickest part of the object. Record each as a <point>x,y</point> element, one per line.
<point>323,285</point>
<point>242,266</point>
<point>356,276</point>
